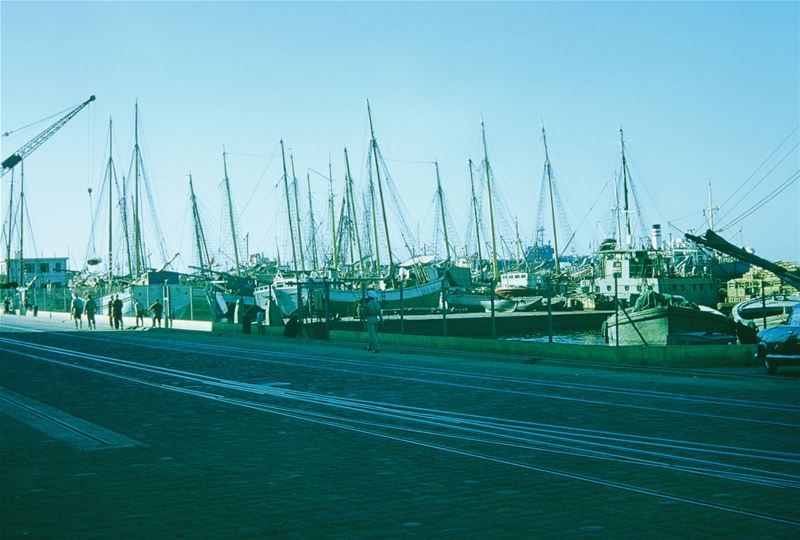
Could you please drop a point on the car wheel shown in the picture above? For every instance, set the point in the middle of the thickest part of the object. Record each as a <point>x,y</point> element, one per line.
<point>770,366</point>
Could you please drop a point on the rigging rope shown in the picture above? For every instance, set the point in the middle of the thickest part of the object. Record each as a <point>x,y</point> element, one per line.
<point>761,165</point>
<point>764,200</point>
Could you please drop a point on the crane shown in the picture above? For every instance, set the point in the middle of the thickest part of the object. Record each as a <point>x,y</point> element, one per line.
<point>37,141</point>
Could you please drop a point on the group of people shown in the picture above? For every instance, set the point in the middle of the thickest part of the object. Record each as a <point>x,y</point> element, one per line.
<point>79,306</point>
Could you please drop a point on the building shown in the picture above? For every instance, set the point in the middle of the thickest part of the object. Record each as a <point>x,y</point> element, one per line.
<point>47,271</point>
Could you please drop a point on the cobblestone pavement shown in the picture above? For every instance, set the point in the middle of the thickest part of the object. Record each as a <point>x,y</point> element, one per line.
<point>168,434</point>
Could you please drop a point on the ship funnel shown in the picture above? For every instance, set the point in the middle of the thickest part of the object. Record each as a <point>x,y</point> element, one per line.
<point>655,236</point>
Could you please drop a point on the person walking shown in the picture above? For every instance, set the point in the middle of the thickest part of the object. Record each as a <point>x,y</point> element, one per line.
<point>118,324</point>
<point>110,311</point>
<point>157,308</point>
<point>91,308</point>
<point>372,314</point>
<point>76,309</point>
<point>139,307</point>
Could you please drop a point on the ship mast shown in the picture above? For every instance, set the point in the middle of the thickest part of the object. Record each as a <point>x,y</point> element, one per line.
<point>199,235</point>
<point>10,223</point>
<point>352,209</point>
<point>333,214</point>
<point>380,190</point>
<point>21,222</point>
<point>495,272</point>
<point>548,170</point>
<point>710,210</point>
<point>313,225</point>
<point>137,234</point>
<point>230,211</point>
<point>297,217</point>
<point>441,208</point>
<point>288,205</point>
<point>109,169</point>
<point>628,232</point>
<point>477,222</point>
<point>374,215</point>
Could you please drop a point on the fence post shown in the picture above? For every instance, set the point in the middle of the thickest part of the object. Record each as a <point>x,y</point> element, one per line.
<point>444,311</point>
<point>326,288</point>
<point>549,311</point>
<point>402,320</point>
<point>491,297</point>
<point>616,310</point>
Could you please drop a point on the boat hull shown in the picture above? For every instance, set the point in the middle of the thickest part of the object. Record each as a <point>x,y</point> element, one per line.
<point>656,325</point>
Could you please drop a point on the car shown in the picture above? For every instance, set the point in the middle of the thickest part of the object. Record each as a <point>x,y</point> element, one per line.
<point>780,346</point>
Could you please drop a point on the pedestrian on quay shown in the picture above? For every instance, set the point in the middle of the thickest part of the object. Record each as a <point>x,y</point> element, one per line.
<point>117,309</point>
<point>6,306</point>
<point>139,307</point>
<point>372,313</point>
<point>91,308</point>
<point>157,308</point>
<point>76,310</point>
<point>110,311</point>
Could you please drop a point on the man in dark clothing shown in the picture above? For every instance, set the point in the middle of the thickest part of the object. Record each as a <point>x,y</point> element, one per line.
<point>157,308</point>
<point>371,311</point>
<point>118,324</point>
<point>91,308</point>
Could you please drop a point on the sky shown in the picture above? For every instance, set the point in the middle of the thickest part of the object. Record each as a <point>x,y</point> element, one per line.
<point>705,93</point>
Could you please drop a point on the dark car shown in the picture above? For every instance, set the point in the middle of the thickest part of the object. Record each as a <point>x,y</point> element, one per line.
<point>780,346</point>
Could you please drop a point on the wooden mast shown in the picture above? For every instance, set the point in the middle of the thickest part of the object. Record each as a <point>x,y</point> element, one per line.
<point>314,259</point>
<point>109,178</point>
<point>628,232</point>
<point>21,226</point>
<point>376,248</point>
<point>297,216</point>
<point>230,212</point>
<point>288,205</point>
<point>199,234</point>
<point>441,209</point>
<point>10,224</point>
<point>334,250</point>
<point>477,222</point>
<point>495,271</point>
<point>380,189</point>
<point>137,233</point>
<point>548,170</point>
<point>352,209</point>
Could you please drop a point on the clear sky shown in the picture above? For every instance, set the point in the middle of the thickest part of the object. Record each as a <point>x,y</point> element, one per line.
<point>705,92</point>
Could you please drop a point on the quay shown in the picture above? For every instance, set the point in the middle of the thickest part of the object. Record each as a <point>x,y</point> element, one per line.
<point>480,324</point>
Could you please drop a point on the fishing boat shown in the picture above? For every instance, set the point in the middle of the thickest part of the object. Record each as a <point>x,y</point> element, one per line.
<point>768,312</point>
<point>658,319</point>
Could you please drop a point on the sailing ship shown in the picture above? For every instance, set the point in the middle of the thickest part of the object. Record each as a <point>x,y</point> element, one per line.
<point>305,291</point>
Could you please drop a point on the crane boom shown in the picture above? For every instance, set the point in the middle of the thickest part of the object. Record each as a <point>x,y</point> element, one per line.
<point>37,141</point>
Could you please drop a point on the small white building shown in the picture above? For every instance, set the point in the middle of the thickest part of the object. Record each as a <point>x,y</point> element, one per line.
<point>48,271</point>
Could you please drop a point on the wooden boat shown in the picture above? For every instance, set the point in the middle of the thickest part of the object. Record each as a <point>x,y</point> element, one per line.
<point>775,309</point>
<point>654,326</point>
